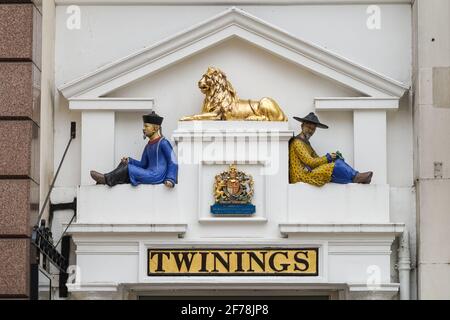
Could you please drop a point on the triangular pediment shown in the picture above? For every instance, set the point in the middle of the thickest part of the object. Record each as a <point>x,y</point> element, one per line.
<point>232,23</point>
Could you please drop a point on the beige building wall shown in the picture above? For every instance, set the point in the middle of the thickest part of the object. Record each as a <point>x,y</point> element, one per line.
<point>432,145</point>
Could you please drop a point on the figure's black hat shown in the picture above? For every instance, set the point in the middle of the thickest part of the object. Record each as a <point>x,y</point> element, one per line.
<point>312,118</point>
<point>152,118</point>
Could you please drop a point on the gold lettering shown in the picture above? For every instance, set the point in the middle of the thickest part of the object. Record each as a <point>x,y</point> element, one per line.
<point>270,261</point>
<point>184,260</point>
<point>225,264</point>
<point>284,266</point>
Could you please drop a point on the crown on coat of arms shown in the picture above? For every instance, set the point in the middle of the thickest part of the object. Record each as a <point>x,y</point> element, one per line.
<point>233,187</point>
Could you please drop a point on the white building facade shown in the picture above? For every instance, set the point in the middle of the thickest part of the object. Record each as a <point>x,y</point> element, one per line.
<point>349,62</point>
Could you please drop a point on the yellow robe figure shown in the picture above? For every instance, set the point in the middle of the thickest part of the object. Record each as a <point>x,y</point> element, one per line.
<point>306,166</point>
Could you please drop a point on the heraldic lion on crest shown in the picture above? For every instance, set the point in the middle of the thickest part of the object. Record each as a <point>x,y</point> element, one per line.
<point>222,103</point>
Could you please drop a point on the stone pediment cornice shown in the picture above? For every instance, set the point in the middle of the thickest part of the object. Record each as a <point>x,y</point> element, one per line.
<point>232,23</point>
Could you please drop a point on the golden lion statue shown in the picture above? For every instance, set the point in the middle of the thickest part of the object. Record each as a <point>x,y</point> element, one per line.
<point>222,103</point>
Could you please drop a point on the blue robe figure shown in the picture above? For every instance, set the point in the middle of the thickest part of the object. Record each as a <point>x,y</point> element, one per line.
<point>158,163</point>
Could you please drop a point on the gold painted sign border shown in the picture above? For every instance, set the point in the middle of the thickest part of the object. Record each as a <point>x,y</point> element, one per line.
<point>197,274</point>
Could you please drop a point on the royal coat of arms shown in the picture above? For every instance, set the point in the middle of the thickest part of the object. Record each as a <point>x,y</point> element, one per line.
<point>233,192</point>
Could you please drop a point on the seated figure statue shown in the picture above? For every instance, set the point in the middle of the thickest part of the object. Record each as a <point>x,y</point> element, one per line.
<point>306,166</point>
<point>158,163</point>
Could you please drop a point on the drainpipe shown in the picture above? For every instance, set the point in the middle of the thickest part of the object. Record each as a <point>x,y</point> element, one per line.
<point>404,265</point>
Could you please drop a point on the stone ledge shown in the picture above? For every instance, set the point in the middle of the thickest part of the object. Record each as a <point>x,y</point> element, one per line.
<point>352,204</point>
<point>382,291</point>
<point>125,204</point>
<point>208,130</point>
<point>348,228</point>
<point>234,219</point>
<point>112,104</point>
<point>80,228</point>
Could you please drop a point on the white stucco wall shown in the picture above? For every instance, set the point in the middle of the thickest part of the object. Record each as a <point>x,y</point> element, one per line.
<point>254,74</point>
<point>108,33</point>
<point>111,32</point>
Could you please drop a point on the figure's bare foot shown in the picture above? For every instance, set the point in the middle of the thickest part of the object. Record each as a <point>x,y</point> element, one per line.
<point>365,177</point>
<point>98,177</point>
